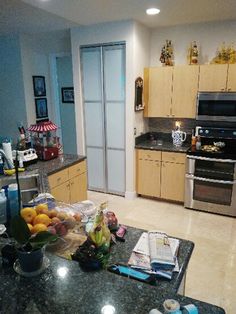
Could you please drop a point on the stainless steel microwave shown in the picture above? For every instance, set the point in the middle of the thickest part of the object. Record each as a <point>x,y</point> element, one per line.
<point>213,106</point>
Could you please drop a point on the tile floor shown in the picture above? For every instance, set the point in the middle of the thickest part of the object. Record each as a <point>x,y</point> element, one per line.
<point>211,275</point>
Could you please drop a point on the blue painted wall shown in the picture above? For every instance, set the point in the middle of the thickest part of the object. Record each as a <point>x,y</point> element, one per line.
<point>67,110</point>
<point>12,99</point>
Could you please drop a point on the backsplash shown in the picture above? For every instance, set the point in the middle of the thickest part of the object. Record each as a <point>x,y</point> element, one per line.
<point>165,125</point>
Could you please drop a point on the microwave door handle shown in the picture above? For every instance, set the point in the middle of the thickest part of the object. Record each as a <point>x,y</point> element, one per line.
<point>211,159</point>
<point>192,177</point>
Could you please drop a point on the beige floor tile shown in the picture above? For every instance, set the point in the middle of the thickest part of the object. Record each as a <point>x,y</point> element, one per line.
<point>211,275</point>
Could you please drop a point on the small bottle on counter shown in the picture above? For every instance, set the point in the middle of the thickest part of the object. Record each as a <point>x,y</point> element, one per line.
<point>193,139</point>
<point>198,143</point>
<point>13,199</point>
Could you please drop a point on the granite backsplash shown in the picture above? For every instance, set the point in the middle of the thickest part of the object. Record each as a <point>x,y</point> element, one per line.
<point>166,125</point>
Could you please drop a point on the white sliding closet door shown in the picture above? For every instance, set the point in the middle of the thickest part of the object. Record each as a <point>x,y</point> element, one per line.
<point>103,77</point>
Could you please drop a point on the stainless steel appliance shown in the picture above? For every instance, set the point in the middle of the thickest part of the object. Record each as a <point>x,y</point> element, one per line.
<point>210,181</point>
<point>213,106</point>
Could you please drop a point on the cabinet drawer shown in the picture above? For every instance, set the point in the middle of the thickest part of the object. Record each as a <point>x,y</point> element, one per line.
<point>77,169</point>
<point>58,178</point>
<point>148,154</point>
<point>173,157</point>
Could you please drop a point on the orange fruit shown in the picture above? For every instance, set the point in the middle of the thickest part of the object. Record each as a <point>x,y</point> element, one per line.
<point>28,214</point>
<point>42,208</point>
<point>39,227</point>
<point>62,216</point>
<point>55,221</point>
<point>52,213</point>
<point>42,219</point>
<point>30,227</point>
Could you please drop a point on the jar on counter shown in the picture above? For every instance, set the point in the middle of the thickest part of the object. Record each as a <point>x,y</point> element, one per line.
<point>198,143</point>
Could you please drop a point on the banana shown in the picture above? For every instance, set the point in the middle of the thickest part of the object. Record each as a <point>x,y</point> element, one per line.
<point>9,172</point>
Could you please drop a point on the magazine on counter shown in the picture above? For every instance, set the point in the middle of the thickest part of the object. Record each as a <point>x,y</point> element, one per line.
<point>144,256</point>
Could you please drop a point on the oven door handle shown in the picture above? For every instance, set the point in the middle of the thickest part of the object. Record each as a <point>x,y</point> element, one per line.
<point>192,177</point>
<point>211,159</point>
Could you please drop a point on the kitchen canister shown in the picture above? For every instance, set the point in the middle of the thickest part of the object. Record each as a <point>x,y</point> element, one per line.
<point>171,306</point>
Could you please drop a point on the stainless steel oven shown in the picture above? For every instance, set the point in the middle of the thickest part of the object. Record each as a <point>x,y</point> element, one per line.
<point>210,184</point>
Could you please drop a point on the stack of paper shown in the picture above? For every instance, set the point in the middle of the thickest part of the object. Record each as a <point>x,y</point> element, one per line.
<point>156,253</point>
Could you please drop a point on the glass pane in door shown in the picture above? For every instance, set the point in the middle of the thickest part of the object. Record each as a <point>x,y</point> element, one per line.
<point>91,69</point>
<point>115,125</point>
<point>95,163</point>
<point>116,171</point>
<point>114,74</point>
<point>94,123</point>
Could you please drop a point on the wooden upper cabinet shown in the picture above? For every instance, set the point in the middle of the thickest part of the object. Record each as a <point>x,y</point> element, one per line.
<point>231,83</point>
<point>159,91</point>
<point>185,87</point>
<point>213,77</point>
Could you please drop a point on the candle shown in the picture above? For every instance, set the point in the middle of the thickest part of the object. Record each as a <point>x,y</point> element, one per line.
<point>177,125</point>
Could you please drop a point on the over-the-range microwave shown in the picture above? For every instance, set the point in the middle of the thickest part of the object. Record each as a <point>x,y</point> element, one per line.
<point>212,106</point>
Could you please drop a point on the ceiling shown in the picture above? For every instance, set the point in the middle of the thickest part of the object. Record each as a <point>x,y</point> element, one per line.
<point>32,16</point>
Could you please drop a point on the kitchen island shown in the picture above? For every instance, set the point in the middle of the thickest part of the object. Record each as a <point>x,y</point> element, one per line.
<point>65,288</point>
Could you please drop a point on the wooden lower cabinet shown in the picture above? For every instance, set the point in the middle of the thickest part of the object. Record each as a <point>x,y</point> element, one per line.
<point>78,188</point>
<point>62,192</point>
<point>149,175</point>
<point>172,181</point>
<point>161,174</point>
<point>72,185</point>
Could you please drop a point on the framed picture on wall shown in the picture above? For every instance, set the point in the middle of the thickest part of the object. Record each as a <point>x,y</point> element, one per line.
<point>39,86</point>
<point>41,108</point>
<point>67,94</point>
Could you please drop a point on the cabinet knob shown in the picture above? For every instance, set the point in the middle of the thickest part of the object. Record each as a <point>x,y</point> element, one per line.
<point>78,170</point>
<point>222,89</point>
<point>58,179</point>
<point>229,89</point>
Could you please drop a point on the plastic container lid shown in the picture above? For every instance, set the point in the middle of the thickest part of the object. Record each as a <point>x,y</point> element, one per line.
<point>12,187</point>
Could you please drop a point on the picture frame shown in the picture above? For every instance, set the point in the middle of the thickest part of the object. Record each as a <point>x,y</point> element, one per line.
<point>67,94</point>
<point>139,104</point>
<point>39,86</point>
<point>41,108</point>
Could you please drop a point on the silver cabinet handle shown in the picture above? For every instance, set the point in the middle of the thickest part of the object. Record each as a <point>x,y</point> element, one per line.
<point>192,177</point>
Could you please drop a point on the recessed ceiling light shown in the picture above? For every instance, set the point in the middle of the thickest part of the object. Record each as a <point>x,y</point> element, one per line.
<point>152,11</point>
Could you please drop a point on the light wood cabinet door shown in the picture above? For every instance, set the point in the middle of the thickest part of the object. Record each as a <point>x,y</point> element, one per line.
<point>78,188</point>
<point>172,181</point>
<point>77,169</point>
<point>58,178</point>
<point>213,77</point>
<point>160,91</point>
<point>185,87</point>
<point>148,177</point>
<point>231,83</point>
<point>62,192</point>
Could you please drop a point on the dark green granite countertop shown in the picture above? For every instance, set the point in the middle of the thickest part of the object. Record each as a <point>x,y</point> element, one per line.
<point>151,140</point>
<point>75,291</point>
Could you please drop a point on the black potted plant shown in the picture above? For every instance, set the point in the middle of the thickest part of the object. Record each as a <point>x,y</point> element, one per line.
<point>29,247</point>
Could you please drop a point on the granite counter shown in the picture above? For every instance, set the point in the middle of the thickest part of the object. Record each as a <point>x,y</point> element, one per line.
<point>65,288</point>
<point>160,141</point>
<point>42,169</point>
